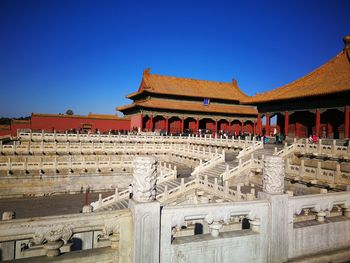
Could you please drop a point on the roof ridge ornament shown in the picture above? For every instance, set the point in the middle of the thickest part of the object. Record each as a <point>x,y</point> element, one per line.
<point>234,82</point>
<point>147,71</point>
<point>346,41</point>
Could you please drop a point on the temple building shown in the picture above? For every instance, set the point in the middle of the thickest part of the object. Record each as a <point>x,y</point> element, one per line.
<point>175,105</point>
<point>317,103</point>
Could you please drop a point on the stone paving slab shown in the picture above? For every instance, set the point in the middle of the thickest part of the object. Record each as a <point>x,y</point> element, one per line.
<point>47,205</point>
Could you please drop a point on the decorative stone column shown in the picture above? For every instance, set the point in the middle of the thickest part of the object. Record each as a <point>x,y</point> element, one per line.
<point>145,176</point>
<point>145,210</point>
<point>273,175</point>
<point>273,187</point>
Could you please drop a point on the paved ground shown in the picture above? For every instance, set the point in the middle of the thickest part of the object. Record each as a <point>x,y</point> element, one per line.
<point>48,205</point>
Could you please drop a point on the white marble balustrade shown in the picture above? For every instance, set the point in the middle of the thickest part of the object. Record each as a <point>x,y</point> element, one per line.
<point>319,149</point>
<point>52,235</point>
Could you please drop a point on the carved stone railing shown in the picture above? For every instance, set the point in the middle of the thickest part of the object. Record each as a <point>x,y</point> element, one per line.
<point>317,173</point>
<point>242,168</point>
<point>195,139</point>
<point>71,163</point>
<point>54,235</point>
<point>212,162</point>
<point>215,217</point>
<point>320,149</point>
<point>164,174</point>
<point>320,233</point>
<point>213,188</point>
<point>250,149</point>
<point>52,148</point>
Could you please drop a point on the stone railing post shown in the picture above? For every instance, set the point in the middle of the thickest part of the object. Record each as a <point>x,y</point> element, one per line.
<point>255,224</point>
<point>346,210</point>
<point>7,248</point>
<point>318,170</point>
<point>302,168</point>
<point>334,147</point>
<point>145,210</point>
<point>273,187</point>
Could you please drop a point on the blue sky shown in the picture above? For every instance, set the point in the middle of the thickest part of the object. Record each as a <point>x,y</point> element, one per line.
<point>87,55</point>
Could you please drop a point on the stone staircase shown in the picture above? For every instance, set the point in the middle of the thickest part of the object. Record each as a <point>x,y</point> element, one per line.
<point>124,202</point>
<point>268,149</point>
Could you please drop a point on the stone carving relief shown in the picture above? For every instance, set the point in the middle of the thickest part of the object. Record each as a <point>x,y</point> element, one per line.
<point>53,233</point>
<point>110,227</point>
<point>145,176</point>
<point>273,175</point>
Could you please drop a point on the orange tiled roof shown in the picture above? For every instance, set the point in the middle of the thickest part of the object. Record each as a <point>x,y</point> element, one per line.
<point>20,121</point>
<point>331,77</point>
<point>154,83</point>
<point>190,106</point>
<point>90,116</point>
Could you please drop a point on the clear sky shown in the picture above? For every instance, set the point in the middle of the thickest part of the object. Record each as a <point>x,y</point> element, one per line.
<point>87,55</point>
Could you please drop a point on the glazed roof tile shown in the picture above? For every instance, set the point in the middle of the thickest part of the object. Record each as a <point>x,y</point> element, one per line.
<point>331,77</point>
<point>90,116</point>
<point>168,85</point>
<point>190,106</point>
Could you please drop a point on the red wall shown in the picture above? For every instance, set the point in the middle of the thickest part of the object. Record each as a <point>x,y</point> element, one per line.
<point>5,132</point>
<point>16,126</point>
<point>65,123</point>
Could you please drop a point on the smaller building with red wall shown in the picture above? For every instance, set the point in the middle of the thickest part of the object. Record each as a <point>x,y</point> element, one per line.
<point>61,123</point>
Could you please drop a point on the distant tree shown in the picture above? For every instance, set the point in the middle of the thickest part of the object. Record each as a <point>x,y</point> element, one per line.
<point>69,112</point>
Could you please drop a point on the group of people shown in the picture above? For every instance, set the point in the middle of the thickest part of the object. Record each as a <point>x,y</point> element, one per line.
<point>313,138</point>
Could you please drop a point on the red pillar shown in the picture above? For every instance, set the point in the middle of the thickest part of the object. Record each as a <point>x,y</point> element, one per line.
<point>182,124</point>
<point>141,121</point>
<point>318,122</point>
<point>346,122</point>
<point>286,123</point>
<point>259,124</point>
<point>242,128</point>
<point>216,126</point>
<point>297,129</point>
<point>166,123</point>
<point>267,126</point>
<point>197,125</point>
<point>151,123</point>
<point>230,127</point>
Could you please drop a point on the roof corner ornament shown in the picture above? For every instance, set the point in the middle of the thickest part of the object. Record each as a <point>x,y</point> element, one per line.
<point>234,82</point>
<point>346,41</point>
<point>147,71</point>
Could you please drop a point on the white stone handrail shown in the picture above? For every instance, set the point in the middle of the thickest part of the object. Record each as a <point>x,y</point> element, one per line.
<point>43,136</point>
<point>333,150</point>
<point>46,235</point>
<point>250,149</point>
<point>317,202</point>
<point>53,148</point>
<point>204,166</point>
<point>164,174</point>
<point>318,173</point>
<point>242,167</point>
<point>54,163</point>
<point>287,150</point>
